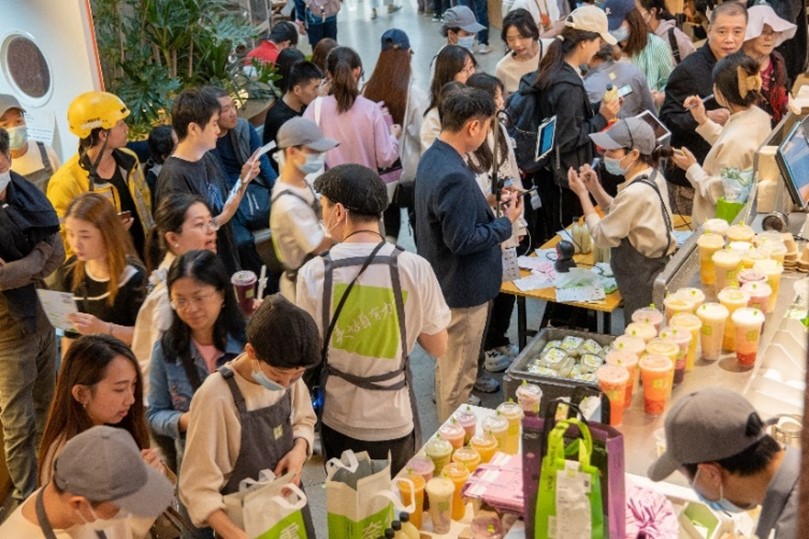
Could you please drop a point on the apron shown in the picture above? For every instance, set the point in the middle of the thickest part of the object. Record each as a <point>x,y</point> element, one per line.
<point>634,272</point>
<point>266,438</point>
<point>45,524</point>
<point>371,383</point>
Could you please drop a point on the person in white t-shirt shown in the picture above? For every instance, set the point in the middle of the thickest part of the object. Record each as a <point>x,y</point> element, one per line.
<point>525,49</point>
<point>99,480</point>
<point>372,302</point>
<point>295,216</point>
<point>34,160</point>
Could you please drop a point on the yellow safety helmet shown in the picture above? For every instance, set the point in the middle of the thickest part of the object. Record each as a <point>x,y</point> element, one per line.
<point>95,109</point>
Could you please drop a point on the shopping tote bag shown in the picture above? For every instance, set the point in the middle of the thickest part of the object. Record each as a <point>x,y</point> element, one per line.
<point>273,515</point>
<point>569,494</point>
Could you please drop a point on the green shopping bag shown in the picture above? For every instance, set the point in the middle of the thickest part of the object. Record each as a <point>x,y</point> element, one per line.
<point>569,493</point>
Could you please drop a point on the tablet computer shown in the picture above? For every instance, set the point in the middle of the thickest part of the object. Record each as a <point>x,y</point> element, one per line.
<point>662,133</point>
<point>792,157</point>
<point>546,133</point>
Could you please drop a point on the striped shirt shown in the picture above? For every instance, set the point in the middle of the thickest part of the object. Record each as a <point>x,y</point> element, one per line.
<point>655,62</point>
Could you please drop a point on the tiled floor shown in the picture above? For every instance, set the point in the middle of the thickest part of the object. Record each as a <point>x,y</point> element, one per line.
<point>355,29</point>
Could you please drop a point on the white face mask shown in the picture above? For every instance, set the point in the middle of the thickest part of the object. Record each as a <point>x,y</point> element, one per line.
<point>467,42</point>
<point>17,137</point>
<point>5,179</point>
<point>100,524</point>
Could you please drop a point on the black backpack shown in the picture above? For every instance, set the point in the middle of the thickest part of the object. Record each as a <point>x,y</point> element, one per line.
<point>523,120</point>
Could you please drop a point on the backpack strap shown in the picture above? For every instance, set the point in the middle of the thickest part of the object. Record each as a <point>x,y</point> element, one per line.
<point>675,48</point>
<point>46,161</point>
<point>649,181</point>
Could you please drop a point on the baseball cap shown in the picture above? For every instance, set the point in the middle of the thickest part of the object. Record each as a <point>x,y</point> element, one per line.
<point>395,38</point>
<point>356,187</point>
<point>463,18</point>
<point>705,426</point>
<point>9,102</point>
<point>590,19</point>
<point>104,464</point>
<point>616,11</point>
<point>627,133</point>
<point>302,132</point>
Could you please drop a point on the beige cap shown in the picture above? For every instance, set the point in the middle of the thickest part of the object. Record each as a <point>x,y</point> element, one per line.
<point>591,19</point>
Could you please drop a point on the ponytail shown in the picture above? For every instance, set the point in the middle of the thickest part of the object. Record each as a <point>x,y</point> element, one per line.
<point>658,154</point>
<point>340,64</point>
<point>555,55</point>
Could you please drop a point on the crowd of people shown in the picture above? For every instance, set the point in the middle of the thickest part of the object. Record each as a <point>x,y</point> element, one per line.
<point>147,244</point>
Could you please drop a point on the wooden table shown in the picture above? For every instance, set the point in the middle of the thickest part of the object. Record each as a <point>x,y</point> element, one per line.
<point>603,308</point>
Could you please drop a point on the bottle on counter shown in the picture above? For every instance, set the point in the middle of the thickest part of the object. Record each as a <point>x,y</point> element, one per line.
<point>396,526</point>
<point>408,528</point>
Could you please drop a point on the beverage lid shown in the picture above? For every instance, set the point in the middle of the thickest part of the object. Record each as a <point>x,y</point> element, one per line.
<point>465,417</point>
<point>510,409</point>
<point>466,453</point>
<point>749,315</point>
<point>440,486</point>
<point>757,289</point>
<point>675,300</point>
<point>727,257</point>
<point>627,342</point>
<point>685,321</point>
<point>621,357</point>
<point>438,446</point>
<point>528,390</point>
<point>711,240</point>
<point>740,231</point>
<point>768,267</point>
<point>695,294</point>
<point>733,294</point>
<point>484,439</point>
<point>713,310</point>
<point>656,363</point>
<point>751,275</point>
<point>677,335</point>
<point>495,423</point>
<point>716,226</point>
<point>612,374</point>
<point>421,465</point>
<point>740,247</point>
<point>416,478</point>
<point>647,314</point>
<point>662,346</point>
<point>455,470</point>
<point>451,430</point>
<point>644,330</point>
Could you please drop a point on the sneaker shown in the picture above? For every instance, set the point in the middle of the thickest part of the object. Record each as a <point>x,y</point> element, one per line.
<point>486,384</point>
<point>436,17</point>
<point>373,13</point>
<point>473,400</point>
<point>484,49</point>
<point>496,362</point>
<point>509,349</point>
<point>393,8</point>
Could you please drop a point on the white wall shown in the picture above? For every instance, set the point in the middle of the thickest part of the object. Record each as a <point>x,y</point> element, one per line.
<point>63,31</point>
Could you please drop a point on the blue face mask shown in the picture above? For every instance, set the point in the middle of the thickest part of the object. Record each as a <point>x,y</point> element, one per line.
<point>313,163</point>
<point>723,504</point>
<point>613,166</point>
<point>260,378</point>
<point>467,42</point>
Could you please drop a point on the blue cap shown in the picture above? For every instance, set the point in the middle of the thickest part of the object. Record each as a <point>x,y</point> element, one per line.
<point>395,38</point>
<point>617,11</point>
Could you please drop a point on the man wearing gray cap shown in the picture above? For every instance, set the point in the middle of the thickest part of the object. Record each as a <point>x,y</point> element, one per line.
<point>460,27</point>
<point>716,438</point>
<point>99,480</point>
<point>372,303</point>
<point>297,234</point>
<point>34,160</point>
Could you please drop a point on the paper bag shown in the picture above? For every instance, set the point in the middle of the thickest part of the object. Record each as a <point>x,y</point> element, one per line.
<point>269,515</point>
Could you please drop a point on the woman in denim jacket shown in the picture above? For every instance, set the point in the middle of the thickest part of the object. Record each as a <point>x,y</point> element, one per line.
<point>206,331</point>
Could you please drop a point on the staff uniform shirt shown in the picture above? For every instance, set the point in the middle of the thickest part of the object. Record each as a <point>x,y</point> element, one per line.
<point>366,340</point>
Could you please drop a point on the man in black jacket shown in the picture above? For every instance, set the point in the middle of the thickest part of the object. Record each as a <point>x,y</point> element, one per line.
<point>693,76</point>
<point>458,234</point>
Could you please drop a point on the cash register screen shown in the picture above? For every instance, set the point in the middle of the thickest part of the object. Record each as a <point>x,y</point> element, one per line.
<point>793,160</point>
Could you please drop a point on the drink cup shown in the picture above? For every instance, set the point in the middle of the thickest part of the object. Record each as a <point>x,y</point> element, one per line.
<point>716,226</point>
<point>613,381</point>
<point>468,456</point>
<point>513,414</point>
<point>629,361</point>
<point>497,426</point>
<point>674,303</point>
<point>748,322</point>
<point>708,244</point>
<point>669,349</point>
<point>751,276</point>
<point>713,317</point>
<point>683,339</point>
<point>424,466</point>
<point>244,285</point>
<point>529,396</point>
<point>485,444</point>
<point>740,247</point>
<point>695,295</point>
<point>636,345</point>
<point>645,331</point>
<point>440,491</point>
<point>740,232</point>
<point>650,315</point>
<point>752,256</point>
<point>776,252</point>
<point>772,270</point>
<point>452,432</point>
<point>726,265</point>
<point>732,298</point>
<point>416,517</point>
<point>458,474</point>
<point>657,373</point>
<point>759,293</point>
<point>692,324</point>
<point>439,451</point>
<point>467,419</point>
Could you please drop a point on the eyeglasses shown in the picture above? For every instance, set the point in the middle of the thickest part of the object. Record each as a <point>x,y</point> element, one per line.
<point>196,301</point>
<point>206,226</point>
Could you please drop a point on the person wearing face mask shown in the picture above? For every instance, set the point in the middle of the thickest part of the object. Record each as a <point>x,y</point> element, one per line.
<point>99,481</point>
<point>693,76</point>
<point>28,254</point>
<point>716,438</point>
<point>254,413</point>
<point>460,27</point>
<point>637,225</point>
<point>736,87</point>
<point>371,317</point>
<point>34,160</point>
<point>297,232</point>
<point>659,20</point>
